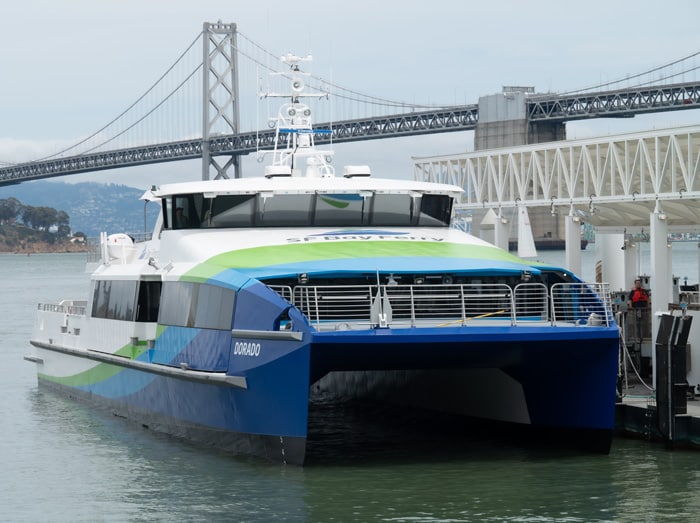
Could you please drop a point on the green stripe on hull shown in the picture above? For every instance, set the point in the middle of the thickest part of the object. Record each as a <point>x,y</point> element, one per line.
<point>99,372</point>
<point>337,249</point>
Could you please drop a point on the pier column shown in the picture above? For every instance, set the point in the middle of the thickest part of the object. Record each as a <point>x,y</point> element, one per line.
<point>661,278</point>
<point>501,231</point>
<point>487,227</point>
<point>572,235</point>
<point>608,250</point>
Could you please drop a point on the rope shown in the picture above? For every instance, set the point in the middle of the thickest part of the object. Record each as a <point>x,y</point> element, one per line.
<point>486,315</point>
<point>628,357</point>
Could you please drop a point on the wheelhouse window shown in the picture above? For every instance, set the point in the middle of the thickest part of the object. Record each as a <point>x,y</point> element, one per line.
<point>365,208</point>
<point>203,306</point>
<point>338,210</point>
<point>286,210</point>
<point>435,210</point>
<point>185,211</point>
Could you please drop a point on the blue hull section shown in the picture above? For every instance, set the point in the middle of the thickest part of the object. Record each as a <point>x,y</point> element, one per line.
<point>268,418</point>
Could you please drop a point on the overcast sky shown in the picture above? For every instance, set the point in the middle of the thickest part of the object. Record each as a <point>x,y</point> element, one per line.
<point>70,66</point>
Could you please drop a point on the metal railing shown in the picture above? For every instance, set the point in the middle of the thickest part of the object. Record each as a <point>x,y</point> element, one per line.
<point>451,304</point>
<point>74,307</point>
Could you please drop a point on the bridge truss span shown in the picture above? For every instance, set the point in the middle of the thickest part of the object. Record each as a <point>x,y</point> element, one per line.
<point>618,103</point>
<point>443,120</point>
<point>605,181</point>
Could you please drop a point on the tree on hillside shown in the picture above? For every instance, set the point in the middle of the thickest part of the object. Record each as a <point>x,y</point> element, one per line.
<point>9,210</point>
<point>62,224</point>
<point>41,218</point>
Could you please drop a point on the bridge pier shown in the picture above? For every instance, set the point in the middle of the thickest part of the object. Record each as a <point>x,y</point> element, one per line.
<point>503,122</point>
<point>219,95</point>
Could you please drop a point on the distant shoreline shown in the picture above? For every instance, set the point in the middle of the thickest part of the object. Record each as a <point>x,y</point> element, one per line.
<point>41,248</point>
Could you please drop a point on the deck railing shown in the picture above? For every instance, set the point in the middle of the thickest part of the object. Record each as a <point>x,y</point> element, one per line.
<point>451,304</point>
<point>73,307</point>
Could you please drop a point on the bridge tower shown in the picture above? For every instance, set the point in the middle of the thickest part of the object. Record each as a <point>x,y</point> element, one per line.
<point>219,94</point>
<point>503,122</point>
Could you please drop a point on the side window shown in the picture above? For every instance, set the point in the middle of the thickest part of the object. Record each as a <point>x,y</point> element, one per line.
<point>178,299</point>
<point>114,300</point>
<point>214,307</point>
<point>186,304</point>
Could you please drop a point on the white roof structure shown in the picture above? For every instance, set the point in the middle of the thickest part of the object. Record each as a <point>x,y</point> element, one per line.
<point>303,185</point>
<point>611,181</point>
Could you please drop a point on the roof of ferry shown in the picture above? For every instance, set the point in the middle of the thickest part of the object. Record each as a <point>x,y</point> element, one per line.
<point>301,185</point>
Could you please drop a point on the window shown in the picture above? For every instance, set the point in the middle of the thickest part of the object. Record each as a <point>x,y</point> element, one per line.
<point>214,308</point>
<point>231,211</point>
<point>204,306</point>
<point>148,301</point>
<point>177,304</point>
<point>435,210</point>
<point>114,299</point>
<point>394,210</point>
<point>186,211</point>
<point>309,210</point>
<point>339,210</point>
<point>286,210</point>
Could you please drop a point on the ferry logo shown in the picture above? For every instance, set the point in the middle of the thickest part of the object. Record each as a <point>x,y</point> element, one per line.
<point>362,232</point>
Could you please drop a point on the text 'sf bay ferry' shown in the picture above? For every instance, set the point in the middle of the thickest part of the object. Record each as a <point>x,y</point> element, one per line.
<point>254,296</point>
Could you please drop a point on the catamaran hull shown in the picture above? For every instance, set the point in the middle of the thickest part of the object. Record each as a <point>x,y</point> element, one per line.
<point>520,375</point>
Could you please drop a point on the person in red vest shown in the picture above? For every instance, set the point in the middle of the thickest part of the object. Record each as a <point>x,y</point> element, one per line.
<point>639,297</point>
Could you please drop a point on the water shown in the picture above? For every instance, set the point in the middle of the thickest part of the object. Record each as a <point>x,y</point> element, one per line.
<point>63,462</point>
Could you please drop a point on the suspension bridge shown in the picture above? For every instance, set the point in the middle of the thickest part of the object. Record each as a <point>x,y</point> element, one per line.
<point>194,111</point>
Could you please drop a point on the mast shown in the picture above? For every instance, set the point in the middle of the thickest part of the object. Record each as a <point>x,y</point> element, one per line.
<point>295,152</point>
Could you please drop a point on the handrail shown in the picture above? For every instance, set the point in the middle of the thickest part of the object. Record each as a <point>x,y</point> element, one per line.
<point>65,308</point>
<point>452,304</point>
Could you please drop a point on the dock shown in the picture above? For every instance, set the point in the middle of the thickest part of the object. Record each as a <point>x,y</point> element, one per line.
<point>637,416</point>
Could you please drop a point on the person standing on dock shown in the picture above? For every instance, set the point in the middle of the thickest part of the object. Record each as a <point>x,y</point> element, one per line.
<point>638,301</point>
<point>639,297</point>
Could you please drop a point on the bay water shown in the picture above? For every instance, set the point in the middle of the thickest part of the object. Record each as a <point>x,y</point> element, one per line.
<point>65,462</point>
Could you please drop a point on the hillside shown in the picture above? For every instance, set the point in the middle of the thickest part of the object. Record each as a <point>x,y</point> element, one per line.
<point>21,239</point>
<point>92,207</point>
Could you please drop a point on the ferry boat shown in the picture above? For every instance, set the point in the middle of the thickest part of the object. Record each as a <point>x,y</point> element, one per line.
<point>256,297</point>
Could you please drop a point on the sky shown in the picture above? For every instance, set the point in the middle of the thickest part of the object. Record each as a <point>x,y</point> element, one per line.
<point>70,66</point>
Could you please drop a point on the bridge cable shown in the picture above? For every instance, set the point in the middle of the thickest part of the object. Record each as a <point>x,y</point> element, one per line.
<point>131,106</point>
<point>365,97</point>
<point>612,82</point>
